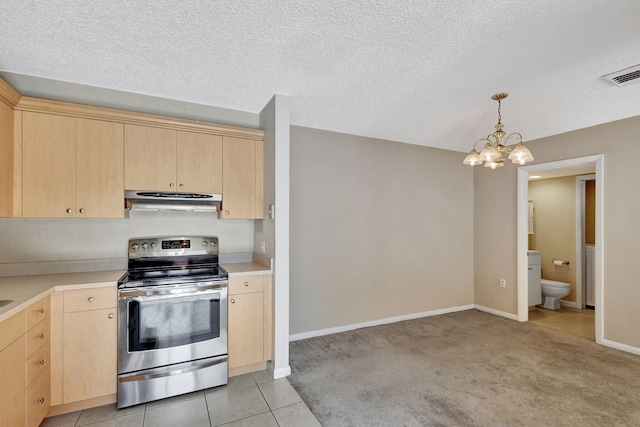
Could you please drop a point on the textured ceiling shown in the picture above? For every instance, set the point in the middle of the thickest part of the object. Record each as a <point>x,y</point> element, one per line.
<point>420,72</point>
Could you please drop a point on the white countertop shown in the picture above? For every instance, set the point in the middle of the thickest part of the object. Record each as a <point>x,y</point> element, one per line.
<point>245,269</point>
<point>25,290</point>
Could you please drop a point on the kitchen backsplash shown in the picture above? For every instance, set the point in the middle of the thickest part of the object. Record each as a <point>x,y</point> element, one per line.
<point>34,246</point>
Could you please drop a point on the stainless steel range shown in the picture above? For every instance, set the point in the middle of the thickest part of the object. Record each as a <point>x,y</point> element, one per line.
<point>172,319</point>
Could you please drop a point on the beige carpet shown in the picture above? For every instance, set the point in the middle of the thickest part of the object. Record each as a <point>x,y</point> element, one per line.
<point>465,369</point>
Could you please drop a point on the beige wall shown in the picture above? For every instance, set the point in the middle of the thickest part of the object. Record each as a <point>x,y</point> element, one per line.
<point>495,223</point>
<point>378,229</point>
<point>554,219</point>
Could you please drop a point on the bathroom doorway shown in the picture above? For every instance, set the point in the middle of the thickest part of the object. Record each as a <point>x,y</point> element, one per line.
<point>563,168</point>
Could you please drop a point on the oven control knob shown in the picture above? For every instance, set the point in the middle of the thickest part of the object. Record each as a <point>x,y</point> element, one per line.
<point>134,246</point>
<point>213,244</point>
<point>145,245</point>
<point>153,245</point>
<point>205,243</point>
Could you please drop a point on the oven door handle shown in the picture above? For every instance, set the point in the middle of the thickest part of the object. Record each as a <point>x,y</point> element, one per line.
<point>167,372</point>
<point>209,295</point>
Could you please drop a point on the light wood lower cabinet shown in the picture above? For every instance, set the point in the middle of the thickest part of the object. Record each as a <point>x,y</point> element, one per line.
<point>89,344</point>
<point>24,363</point>
<point>12,399</point>
<point>250,323</point>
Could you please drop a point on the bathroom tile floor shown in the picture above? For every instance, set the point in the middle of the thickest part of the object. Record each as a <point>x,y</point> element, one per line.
<point>248,400</point>
<point>570,320</point>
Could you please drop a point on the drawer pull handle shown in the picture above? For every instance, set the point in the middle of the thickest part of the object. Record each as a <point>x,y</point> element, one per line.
<point>90,299</point>
<point>110,316</point>
<point>246,283</point>
<point>40,310</point>
<point>69,210</point>
<point>41,362</point>
<point>41,337</point>
<point>233,301</point>
<point>41,400</point>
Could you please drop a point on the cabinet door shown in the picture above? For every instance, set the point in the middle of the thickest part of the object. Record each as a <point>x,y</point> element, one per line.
<point>49,165</point>
<point>12,393</point>
<point>535,285</point>
<point>246,329</point>
<point>89,354</point>
<point>238,178</point>
<point>149,158</point>
<point>199,162</point>
<point>100,169</point>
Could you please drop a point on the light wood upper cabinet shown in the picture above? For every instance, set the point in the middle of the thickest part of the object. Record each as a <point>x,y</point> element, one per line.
<point>149,158</point>
<point>242,178</point>
<point>199,162</point>
<point>72,167</point>
<point>168,160</point>
<point>100,169</point>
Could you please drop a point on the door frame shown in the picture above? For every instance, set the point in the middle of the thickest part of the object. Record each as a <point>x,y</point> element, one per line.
<point>523,241</point>
<point>580,238</point>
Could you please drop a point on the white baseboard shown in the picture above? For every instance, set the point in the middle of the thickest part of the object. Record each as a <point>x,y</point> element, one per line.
<point>619,346</point>
<point>281,372</point>
<point>345,328</point>
<point>496,312</point>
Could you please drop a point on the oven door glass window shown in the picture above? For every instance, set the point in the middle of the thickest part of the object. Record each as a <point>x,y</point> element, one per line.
<point>172,322</point>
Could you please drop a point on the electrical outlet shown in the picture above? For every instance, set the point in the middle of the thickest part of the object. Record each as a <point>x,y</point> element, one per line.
<point>503,283</point>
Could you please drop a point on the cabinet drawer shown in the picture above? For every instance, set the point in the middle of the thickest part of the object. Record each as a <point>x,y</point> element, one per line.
<point>37,312</point>
<point>37,363</point>
<point>90,299</point>
<point>12,328</point>
<point>38,398</point>
<point>246,284</point>
<point>37,336</point>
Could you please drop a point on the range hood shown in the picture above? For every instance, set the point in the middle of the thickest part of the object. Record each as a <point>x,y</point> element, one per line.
<point>171,201</point>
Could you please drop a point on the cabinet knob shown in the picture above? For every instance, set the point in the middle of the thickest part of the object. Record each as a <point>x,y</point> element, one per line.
<point>81,210</point>
<point>41,400</point>
<point>246,283</point>
<point>181,185</point>
<point>40,337</point>
<point>90,299</point>
<point>41,361</point>
<point>40,310</point>
<point>110,316</point>
<point>171,184</point>
<point>69,210</point>
<point>226,212</point>
<point>233,301</point>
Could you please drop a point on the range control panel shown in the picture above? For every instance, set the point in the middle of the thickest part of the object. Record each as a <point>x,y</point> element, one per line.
<point>168,246</point>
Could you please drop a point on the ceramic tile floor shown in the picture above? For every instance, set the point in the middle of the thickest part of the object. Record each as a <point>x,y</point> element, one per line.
<point>570,320</point>
<point>248,400</point>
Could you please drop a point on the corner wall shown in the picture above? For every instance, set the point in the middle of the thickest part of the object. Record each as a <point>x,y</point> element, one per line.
<point>379,229</point>
<point>496,235</point>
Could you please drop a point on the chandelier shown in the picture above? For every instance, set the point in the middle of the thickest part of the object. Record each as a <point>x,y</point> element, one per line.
<point>496,144</point>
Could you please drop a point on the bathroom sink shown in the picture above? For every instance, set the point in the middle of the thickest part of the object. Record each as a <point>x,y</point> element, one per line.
<point>4,302</point>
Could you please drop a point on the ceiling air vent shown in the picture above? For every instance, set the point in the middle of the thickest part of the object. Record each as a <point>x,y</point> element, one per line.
<point>624,77</point>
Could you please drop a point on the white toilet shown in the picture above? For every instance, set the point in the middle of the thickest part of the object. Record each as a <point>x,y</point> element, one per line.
<point>553,292</point>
